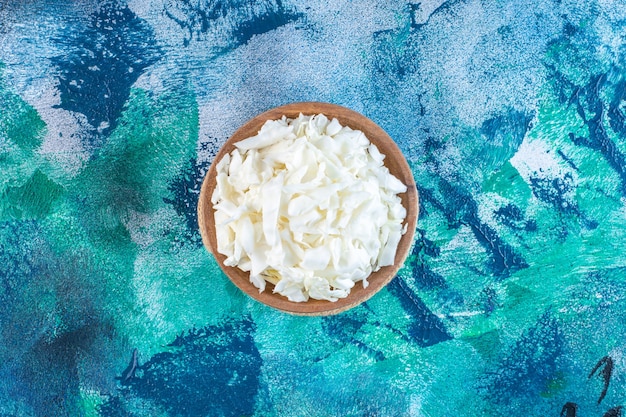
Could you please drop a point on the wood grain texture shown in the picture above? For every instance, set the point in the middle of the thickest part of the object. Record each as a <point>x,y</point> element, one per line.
<point>394,161</point>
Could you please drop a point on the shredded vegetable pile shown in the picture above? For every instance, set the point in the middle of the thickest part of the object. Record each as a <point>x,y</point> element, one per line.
<point>307,205</point>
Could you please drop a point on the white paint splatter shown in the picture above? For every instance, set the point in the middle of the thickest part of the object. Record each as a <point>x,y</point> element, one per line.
<point>535,157</point>
<point>65,132</point>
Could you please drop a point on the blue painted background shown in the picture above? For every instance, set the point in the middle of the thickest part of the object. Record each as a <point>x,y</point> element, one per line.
<point>512,115</point>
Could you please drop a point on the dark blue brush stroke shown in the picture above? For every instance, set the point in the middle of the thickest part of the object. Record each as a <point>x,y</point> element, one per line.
<point>414,7</point>
<point>16,267</point>
<point>263,23</point>
<point>425,329</point>
<point>51,370</point>
<point>50,321</point>
<point>569,409</point>
<point>101,63</point>
<point>236,18</point>
<point>564,89</point>
<point>512,217</point>
<point>504,133</point>
<point>212,371</point>
<point>568,160</point>
<point>591,107</point>
<point>554,191</point>
<point>115,407</point>
<point>529,365</point>
<point>425,246</point>
<point>505,260</point>
<point>395,50</point>
<point>343,328</point>
<point>617,119</point>
<point>508,128</point>
<point>488,301</point>
<point>185,189</point>
<point>592,110</point>
<point>425,278</point>
<point>460,208</point>
<point>23,267</point>
<point>604,369</point>
<point>614,412</point>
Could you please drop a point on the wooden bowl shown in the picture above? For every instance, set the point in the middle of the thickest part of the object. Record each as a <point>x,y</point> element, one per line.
<point>394,161</point>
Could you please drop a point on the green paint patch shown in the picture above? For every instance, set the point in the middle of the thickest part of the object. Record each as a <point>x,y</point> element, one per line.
<point>21,132</point>
<point>519,295</point>
<point>33,200</point>
<point>596,182</point>
<point>508,183</point>
<point>19,121</point>
<point>562,246</point>
<point>157,281</point>
<point>387,310</point>
<point>156,136</point>
<point>487,344</point>
<point>89,403</point>
<point>554,386</point>
<point>129,175</point>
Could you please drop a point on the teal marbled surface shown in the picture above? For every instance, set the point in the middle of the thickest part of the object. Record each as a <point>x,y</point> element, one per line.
<point>511,114</point>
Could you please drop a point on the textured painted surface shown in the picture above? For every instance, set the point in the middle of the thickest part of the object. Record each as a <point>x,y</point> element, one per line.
<point>512,115</point>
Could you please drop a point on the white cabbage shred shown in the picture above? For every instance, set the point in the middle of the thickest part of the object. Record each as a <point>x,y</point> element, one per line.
<point>308,205</point>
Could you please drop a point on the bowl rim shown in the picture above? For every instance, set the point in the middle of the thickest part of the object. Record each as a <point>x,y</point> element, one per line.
<point>377,280</point>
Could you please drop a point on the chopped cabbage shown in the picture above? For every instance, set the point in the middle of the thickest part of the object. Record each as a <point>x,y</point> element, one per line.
<point>307,205</point>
